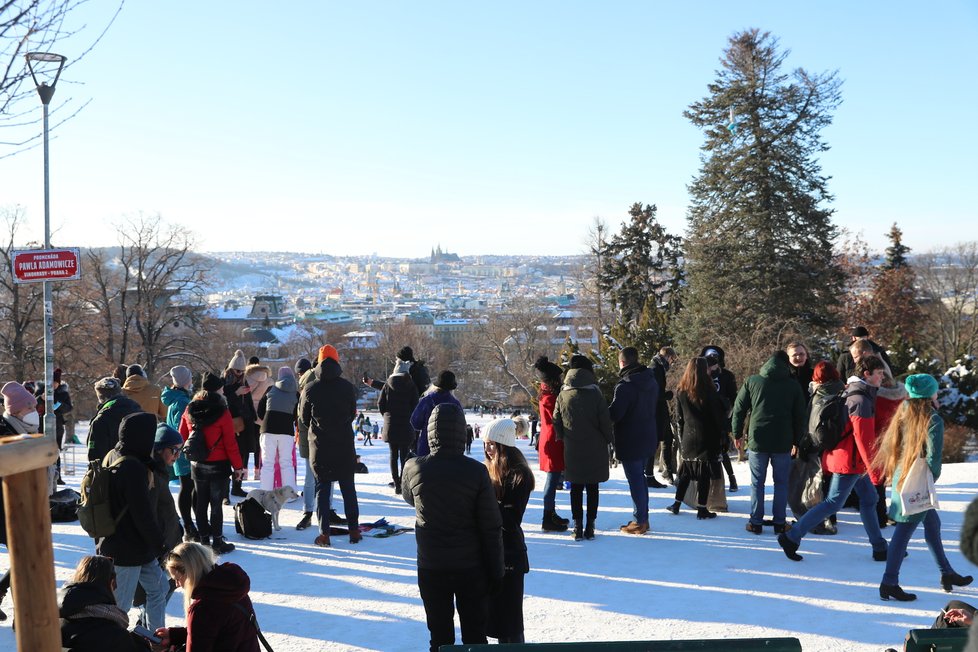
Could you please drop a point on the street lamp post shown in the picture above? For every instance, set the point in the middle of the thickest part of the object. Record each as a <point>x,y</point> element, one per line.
<point>48,66</point>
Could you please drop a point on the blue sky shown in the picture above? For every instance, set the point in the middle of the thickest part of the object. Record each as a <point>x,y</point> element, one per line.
<point>504,127</point>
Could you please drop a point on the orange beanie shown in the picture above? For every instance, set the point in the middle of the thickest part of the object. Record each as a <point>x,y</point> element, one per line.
<point>328,351</point>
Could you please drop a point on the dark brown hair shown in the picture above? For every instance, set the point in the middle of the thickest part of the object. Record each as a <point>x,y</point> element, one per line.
<point>696,381</point>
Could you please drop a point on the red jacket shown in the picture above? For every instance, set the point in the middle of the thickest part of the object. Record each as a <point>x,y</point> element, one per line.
<point>214,623</point>
<point>855,451</point>
<point>213,417</point>
<point>551,448</point>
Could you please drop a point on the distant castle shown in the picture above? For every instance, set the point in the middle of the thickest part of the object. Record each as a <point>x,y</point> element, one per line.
<point>439,256</point>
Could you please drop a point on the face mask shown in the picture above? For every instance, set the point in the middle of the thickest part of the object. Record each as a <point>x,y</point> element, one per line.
<point>32,419</point>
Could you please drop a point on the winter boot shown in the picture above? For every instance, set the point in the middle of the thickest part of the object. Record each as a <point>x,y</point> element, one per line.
<point>674,507</point>
<point>894,591</point>
<point>323,541</point>
<point>578,530</point>
<point>790,547</point>
<point>205,541</point>
<point>221,546</point>
<point>305,521</point>
<point>336,519</point>
<point>561,519</point>
<point>703,513</point>
<point>949,580</point>
<point>552,524</point>
<point>236,489</point>
<point>589,529</point>
<point>733,485</point>
<point>355,536</point>
<point>191,536</point>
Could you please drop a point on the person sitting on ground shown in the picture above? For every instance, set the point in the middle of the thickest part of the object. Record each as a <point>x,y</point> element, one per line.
<point>90,619</point>
<point>215,600</point>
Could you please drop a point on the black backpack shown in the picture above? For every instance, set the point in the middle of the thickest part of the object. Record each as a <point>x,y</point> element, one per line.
<point>827,421</point>
<point>251,520</point>
<point>195,448</point>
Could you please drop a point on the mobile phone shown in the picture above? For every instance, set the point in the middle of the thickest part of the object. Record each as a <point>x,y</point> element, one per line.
<point>145,633</point>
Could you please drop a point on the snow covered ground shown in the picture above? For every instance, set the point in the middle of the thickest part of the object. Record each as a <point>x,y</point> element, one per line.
<point>685,579</point>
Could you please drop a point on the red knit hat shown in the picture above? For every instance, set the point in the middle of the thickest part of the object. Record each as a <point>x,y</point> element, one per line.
<point>825,372</point>
<point>328,351</point>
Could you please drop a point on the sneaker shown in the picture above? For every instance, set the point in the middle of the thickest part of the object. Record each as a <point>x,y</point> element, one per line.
<point>322,541</point>
<point>790,547</point>
<point>336,519</point>
<point>305,521</point>
<point>221,546</point>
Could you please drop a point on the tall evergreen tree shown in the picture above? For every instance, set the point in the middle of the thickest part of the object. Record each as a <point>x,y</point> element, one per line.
<point>640,274</point>
<point>893,315</point>
<point>896,253</point>
<point>759,247</point>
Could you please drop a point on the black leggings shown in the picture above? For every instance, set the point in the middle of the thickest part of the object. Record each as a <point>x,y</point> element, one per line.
<point>185,500</point>
<point>210,480</point>
<point>577,500</point>
<point>399,454</point>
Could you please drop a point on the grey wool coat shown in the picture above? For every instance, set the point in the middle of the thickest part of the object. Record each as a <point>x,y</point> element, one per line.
<point>583,423</point>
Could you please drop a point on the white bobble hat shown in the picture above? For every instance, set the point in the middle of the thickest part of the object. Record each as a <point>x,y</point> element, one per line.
<point>501,431</point>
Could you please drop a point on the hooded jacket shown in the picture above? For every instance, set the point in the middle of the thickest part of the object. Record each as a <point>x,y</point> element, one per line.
<point>212,415</point>
<point>550,448</point>
<point>214,624</point>
<point>146,394</point>
<point>634,410</point>
<point>91,621</point>
<point>422,412</point>
<point>458,525</point>
<point>776,406</point>
<point>277,409</point>
<point>583,423</point>
<point>855,451</point>
<point>103,433</point>
<point>397,400</point>
<point>175,399</point>
<point>259,378</point>
<point>137,539</point>
<point>327,408</point>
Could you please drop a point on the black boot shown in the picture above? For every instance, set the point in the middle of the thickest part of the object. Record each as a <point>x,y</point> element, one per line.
<point>790,547</point>
<point>236,489</point>
<point>589,529</point>
<point>703,513</point>
<point>221,546</point>
<point>578,530</point>
<point>552,524</point>
<point>949,580</point>
<point>894,591</point>
<point>336,519</point>
<point>674,507</point>
<point>561,519</point>
<point>305,521</point>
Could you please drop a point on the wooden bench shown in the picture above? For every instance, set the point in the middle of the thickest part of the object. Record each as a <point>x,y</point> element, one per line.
<point>699,645</point>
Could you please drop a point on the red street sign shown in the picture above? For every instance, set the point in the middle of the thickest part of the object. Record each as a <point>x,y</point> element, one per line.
<point>34,265</point>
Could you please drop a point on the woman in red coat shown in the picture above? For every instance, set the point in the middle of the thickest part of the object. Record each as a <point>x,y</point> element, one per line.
<point>215,599</point>
<point>551,449</point>
<point>208,412</point>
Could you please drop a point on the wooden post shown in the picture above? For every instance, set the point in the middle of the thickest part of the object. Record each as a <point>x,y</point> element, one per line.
<point>28,511</point>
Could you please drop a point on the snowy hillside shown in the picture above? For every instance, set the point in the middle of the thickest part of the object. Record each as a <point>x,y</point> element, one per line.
<point>685,579</point>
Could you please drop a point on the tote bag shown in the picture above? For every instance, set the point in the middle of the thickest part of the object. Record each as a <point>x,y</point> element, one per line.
<point>918,493</point>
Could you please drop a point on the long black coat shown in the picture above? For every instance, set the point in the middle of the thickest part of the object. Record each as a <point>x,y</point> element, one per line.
<point>701,427</point>
<point>397,401</point>
<point>458,525</point>
<point>327,407</point>
<point>138,538</point>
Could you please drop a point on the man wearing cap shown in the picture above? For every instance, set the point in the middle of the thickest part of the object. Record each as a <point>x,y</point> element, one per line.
<point>850,463</point>
<point>443,386</point>
<point>847,363</point>
<point>138,540</point>
<point>113,407</point>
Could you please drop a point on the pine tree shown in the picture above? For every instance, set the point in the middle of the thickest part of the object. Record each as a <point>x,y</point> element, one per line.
<point>893,315</point>
<point>759,246</point>
<point>640,274</point>
<point>896,253</point>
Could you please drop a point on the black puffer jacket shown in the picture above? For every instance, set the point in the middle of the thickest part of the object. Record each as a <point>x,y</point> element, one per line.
<point>458,525</point>
<point>103,434</point>
<point>633,411</point>
<point>138,538</point>
<point>91,621</point>
<point>397,401</point>
<point>327,408</point>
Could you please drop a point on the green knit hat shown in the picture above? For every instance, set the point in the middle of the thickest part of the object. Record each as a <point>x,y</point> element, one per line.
<point>921,386</point>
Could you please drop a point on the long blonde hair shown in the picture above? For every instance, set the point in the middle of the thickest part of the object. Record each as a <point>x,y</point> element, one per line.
<point>905,438</point>
<point>193,561</point>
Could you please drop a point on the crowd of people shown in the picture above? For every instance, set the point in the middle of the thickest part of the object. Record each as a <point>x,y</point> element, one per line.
<point>471,553</point>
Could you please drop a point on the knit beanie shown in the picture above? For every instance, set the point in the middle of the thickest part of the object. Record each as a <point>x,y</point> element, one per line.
<point>328,351</point>
<point>825,372</point>
<point>406,354</point>
<point>921,386</point>
<point>212,383</point>
<point>302,365</point>
<point>238,361</point>
<point>254,360</point>
<point>402,367</point>
<point>579,361</point>
<point>182,376</point>
<point>547,371</point>
<point>501,431</point>
<point>107,387</point>
<point>446,381</point>
<point>860,331</point>
<point>969,532</point>
<point>135,370</point>
<point>166,437</point>
<point>285,372</point>
<point>16,398</point>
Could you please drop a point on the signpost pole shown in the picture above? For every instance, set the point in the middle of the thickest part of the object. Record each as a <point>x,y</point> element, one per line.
<point>50,423</point>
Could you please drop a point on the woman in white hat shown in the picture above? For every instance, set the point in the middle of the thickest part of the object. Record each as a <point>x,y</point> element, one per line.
<point>513,482</point>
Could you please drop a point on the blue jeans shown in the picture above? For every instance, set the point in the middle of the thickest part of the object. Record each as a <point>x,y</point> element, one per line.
<point>839,489</point>
<point>901,537</point>
<point>310,487</point>
<point>781,464</point>
<point>550,487</point>
<point>151,577</point>
<point>635,474</point>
